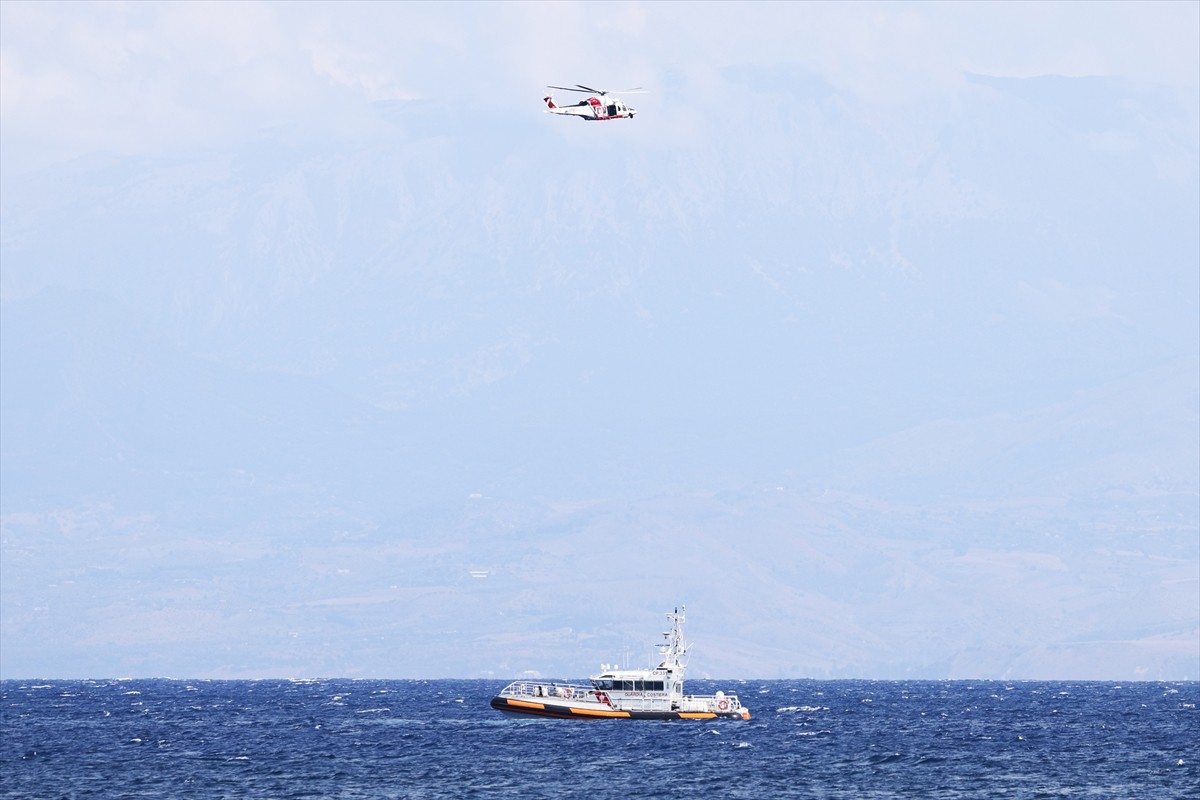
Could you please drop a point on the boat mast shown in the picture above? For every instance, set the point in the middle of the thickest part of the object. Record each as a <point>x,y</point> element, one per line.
<point>675,650</point>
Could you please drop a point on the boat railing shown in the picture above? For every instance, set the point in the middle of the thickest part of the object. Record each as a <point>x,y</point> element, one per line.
<point>543,690</point>
<point>536,689</point>
<point>710,702</point>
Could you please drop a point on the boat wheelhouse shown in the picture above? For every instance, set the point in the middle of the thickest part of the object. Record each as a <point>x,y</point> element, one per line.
<point>625,693</point>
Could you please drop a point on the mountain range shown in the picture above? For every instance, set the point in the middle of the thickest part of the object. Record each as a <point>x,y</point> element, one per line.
<point>874,392</point>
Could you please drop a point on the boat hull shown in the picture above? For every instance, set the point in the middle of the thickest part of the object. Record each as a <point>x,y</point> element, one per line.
<point>541,708</point>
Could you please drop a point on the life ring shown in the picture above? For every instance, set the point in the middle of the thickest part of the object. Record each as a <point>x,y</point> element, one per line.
<point>568,692</point>
<point>722,705</point>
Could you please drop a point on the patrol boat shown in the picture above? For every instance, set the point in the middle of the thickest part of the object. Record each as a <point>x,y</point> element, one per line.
<point>625,693</point>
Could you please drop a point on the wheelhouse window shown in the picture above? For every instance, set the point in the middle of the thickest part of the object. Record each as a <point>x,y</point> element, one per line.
<point>618,685</point>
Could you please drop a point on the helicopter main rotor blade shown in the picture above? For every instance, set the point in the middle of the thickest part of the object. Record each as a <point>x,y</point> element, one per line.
<point>579,87</point>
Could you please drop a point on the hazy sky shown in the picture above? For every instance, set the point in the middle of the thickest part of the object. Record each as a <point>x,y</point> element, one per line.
<point>884,313</point>
<point>134,77</point>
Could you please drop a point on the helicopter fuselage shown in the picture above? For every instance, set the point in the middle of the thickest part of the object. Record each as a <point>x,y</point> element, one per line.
<point>593,109</point>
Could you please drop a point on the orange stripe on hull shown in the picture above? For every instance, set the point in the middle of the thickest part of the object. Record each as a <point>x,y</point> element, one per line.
<point>524,704</point>
<point>596,712</point>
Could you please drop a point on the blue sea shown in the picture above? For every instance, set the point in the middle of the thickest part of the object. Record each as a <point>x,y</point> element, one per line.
<point>439,739</point>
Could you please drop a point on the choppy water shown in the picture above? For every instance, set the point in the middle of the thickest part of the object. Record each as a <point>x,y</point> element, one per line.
<point>439,739</point>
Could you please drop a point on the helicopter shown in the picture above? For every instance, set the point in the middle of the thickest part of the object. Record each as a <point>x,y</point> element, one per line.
<point>596,108</point>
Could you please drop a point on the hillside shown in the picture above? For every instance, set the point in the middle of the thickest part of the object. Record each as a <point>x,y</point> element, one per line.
<point>876,394</point>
